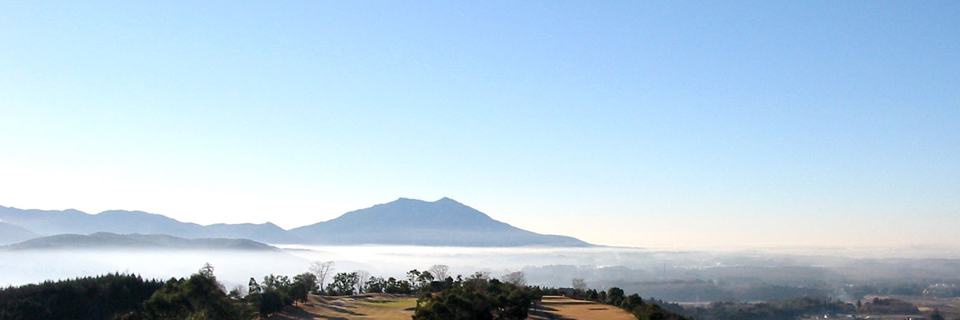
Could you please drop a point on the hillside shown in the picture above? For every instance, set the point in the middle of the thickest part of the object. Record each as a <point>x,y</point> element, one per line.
<point>444,222</point>
<point>12,234</point>
<point>380,306</point>
<point>387,307</point>
<point>105,240</point>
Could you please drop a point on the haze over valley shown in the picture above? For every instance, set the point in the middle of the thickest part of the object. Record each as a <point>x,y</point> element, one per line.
<point>392,238</point>
<point>772,160</point>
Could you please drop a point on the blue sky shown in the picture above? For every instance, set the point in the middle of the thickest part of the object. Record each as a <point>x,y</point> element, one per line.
<point>628,123</point>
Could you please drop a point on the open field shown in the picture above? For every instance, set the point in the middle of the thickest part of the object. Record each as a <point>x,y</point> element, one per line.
<point>949,307</point>
<point>367,306</point>
<point>397,307</point>
<point>563,308</point>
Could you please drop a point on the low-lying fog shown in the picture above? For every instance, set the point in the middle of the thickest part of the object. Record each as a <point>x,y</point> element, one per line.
<point>640,269</point>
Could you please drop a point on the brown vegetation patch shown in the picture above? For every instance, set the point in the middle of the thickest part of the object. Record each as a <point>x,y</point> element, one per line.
<point>563,308</point>
<point>397,307</point>
<point>365,306</point>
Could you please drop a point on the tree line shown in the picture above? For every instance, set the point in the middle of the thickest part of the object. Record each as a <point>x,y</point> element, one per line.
<point>440,296</point>
<point>201,296</point>
<point>99,298</point>
<point>643,310</point>
<point>477,297</point>
<point>788,309</point>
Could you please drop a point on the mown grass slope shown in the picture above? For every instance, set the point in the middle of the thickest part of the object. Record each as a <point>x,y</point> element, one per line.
<point>366,306</point>
<point>563,308</point>
<point>397,307</point>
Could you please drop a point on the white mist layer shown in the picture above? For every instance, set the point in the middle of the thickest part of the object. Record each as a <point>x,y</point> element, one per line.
<point>543,266</point>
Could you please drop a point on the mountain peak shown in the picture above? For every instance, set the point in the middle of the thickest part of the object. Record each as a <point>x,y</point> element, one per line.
<point>441,200</point>
<point>417,222</point>
<point>446,200</point>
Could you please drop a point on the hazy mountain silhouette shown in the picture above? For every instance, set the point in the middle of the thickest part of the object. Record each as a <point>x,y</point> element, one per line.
<point>12,234</point>
<point>106,240</point>
<point>266,232</point>
<point>43,222</point>
<point>444,222</point>
<point>52,222</point>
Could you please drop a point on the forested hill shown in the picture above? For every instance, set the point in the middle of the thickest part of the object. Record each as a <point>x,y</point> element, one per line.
<point>105,240</point>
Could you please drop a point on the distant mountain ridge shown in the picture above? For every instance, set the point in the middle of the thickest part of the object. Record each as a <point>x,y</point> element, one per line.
<point>106,240</point>
<point>53,222</point>
<point>444,222</point>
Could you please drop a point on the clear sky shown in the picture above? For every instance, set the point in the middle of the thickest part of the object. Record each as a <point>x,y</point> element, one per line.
<point>640,123</point>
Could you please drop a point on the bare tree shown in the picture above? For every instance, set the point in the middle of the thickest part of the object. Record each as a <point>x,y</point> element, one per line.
<point>238,292</point>
<point>516,278</point>
<point>362,277</point>
<point>322,270</point>
<point>579,284</point>
<point>439,271</point>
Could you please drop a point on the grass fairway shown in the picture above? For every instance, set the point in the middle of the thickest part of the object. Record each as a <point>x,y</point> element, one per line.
<point>400,307</point>
<point>367,306</point>
<point>563,308</point>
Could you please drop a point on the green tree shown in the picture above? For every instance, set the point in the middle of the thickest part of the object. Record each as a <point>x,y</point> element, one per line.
<point>631,303</point>
<point>424,279</point>
<point>270,302</point>
<point>391,286</point>
<point>412,276</point>
<point>376,285</point>
<point>302,285</point>
<point>273,282</point>
<point>476,299</point>
<point>252,286</point>
<point>200,297</point>
<point>615,296</point>
<point>936,315</point>
<point>97,298</point>
<point>592,295</point>
<point>343,284</point>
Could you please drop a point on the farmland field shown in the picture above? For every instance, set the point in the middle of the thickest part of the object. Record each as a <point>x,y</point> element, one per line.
<point>949,307</point>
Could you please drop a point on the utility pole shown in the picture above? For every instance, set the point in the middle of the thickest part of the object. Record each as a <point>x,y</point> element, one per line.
<point>664,272</point>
